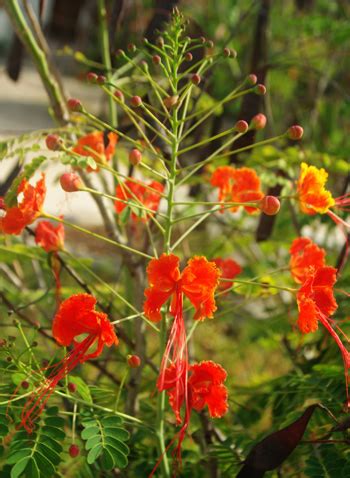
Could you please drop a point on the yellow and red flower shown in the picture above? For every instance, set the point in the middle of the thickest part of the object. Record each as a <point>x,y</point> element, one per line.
<point>312,194</point>
<point>229,270</point>
<point>241,185</point>
<point>139,194</point>
<point>16,218</point>
<point>76,316</point>
<point>305,254</point>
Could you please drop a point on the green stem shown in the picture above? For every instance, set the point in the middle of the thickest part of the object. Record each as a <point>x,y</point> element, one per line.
<point>48,77</point>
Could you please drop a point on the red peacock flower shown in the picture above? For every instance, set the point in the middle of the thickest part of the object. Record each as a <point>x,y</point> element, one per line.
<point>204,387</point>
<point>16,218</point>
<point>138,193</point>
<point>316,303</point>
<point>75,317</point>
<point>229,270</point>
<point>198,282</point>
<point>51,239</point>
<point>305,254</point>
<point>99,145</point>
<point>240,185</point>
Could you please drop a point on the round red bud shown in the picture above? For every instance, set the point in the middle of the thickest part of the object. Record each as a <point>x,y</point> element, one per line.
<point>132,47</point>
<point>260,89</point>
<point>74,451</point>
<point>196,79</point>
<point>134,361</point>
<point>188,56</point>
<point>156,59</point>
<point>258,121</point>
<point>72,387</point>
<point>101,79</point>
<point>118,94</point>
<point>70,182</point>
<point>241,126</point>
<point>136,101</point>
<point>252,79</point>
<point>270,205</point>
<point>135,157</point>
<point>91,77</point>
<point>295,132</point>
<point>74,105</point>
<point>25,384</point>
<point>53,142</point>
<point>171,101</point>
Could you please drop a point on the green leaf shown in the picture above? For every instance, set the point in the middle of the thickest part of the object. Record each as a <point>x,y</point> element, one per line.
<point>94,440</point>
<point>19,467</point>
<point>46,466</point>
<point>119,445</point>
<point>120,459</point>
<point>57,422</point>
<point>33,469</point>
<point>90,432</point>
<point>53,432</point>
<point>82,388</point>
<point>107,460</point>
<point>117,432</point>
<point>18,455</point>
<point>112,421</point>
<point>94,453</point>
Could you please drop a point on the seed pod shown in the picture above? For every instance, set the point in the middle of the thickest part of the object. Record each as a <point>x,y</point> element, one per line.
<point>70,182</point>
<point>74,451</point>
<point>72,387</point>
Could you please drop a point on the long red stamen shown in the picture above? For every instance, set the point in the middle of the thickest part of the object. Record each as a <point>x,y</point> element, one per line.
<point>38,399</point>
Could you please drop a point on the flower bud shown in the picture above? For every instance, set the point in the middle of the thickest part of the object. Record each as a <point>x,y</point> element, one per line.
<point>270,205</point>
<point>202,39</point>
<point>260,89</point>
<point>210,44</point>
<point>70,182</point>
<point>3,342</point>
<point>74,451</point>
<point>134,361</point>
<point>252,79</point>
<point>25,384</point>
<point>196,79</point>
<point>72,387</point>
<point>226,52</point>
<point>295,132</point>
<point>258,121</point>
<point>131,47</point>
<point>135,157</point>
<point>74,105</point>
<point>118,94</point>
<point>53,142</point>
<point>188,56</point>
<point>101,79</point>
<point>91,77</point>
<point>160,42</point>
<point>119,52</point>
<point>241,126</point>
<point>136,101</point>
<point>171,101</point>
<point>156,59</point>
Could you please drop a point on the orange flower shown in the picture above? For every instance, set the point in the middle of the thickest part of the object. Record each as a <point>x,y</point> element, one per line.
<point>315,298</point>
<point>229,270</point>
<point>198,282</point>
<point>237,185</point>
<point>76,316</point>
<point>138,193</point>
<point>305,254</point>
<point>99,145</point>
<point>49,237</point>
<point>206,388</point>
<point>313,197</point>
<point>27,210</point>
<point>316,303</point>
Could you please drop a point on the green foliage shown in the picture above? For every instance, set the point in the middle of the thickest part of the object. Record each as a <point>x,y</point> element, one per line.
<point>38,455</point>
<point>105,440</point>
